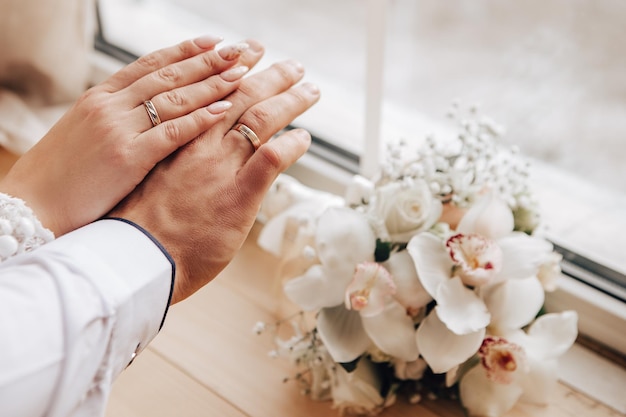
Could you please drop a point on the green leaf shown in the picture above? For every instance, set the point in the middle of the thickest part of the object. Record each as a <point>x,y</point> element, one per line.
<point>383,250</point>
<point>350,366</point>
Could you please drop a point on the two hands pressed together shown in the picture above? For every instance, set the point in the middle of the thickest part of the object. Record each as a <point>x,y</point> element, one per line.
<point>191,181</point>
<point>147,207</point>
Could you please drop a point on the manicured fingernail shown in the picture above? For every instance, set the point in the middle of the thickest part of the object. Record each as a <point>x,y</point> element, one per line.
<point>219,107</point>
<point>303,135</point>
<point>207,41</point>
<point>256,46</point>
<point>234,73</point>
<point>232,51</point>
<point>311,88</point>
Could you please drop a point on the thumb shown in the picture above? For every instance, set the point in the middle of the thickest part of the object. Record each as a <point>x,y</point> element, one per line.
<point>274,157</point>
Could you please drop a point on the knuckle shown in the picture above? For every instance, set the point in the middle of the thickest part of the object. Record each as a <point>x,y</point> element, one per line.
<point>298,99</point>
<point>209,59</point>
<point>121,156</point>
<point>272,156</point>
<point>169,73</point>
<point>172,131</point>
<point>175,97</point>
<point>95,104</point>
<point>99,108</point>
<point>210,89</point>
<point>248,91</point>
<point>284,70</point>
<point>186,48</point>
<point>200,118</point>
<point>259,116</point>
<point>89,96</point>
<point>150,61</point>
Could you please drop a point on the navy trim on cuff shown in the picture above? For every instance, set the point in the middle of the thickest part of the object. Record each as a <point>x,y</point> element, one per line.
<point>162,249</point>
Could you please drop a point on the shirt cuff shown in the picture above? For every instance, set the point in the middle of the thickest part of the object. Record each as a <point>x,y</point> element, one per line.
<point>163,251</point>
<point>138,285</point>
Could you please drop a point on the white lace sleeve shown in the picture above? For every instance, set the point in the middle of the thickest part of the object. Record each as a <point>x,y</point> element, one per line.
<point>20,230</point>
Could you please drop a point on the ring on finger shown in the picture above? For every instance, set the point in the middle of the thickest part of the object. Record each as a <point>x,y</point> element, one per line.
<point>248,134</point>
<point>152,112</point>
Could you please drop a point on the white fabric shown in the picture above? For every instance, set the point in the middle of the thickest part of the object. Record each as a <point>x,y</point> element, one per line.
<point>72,313</point>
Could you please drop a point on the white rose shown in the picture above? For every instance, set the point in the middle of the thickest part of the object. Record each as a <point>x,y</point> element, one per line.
<point>357,392</point>
<point>406,209</point>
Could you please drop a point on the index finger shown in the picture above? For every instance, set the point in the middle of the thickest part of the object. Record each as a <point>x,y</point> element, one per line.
<point>159,59</point>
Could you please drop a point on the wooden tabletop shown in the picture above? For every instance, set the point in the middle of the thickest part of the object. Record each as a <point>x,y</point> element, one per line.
<point>207,361</point>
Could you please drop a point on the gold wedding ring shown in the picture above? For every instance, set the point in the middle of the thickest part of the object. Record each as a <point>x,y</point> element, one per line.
<point>152,113</point>
<point>248,134</point>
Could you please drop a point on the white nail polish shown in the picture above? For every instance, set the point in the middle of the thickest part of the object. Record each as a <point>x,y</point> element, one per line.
<point>219,107</point>
<point>233,51</point>
<point>234,73</point>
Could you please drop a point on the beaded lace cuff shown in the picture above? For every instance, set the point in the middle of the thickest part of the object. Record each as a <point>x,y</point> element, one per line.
<point>20,230</point>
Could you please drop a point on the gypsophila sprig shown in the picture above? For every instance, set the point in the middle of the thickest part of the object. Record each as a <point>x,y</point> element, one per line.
<point>427,279</point>
<point>459,169</point>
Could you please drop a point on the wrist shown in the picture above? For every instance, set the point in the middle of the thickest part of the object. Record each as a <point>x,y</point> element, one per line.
<point>13,186</point>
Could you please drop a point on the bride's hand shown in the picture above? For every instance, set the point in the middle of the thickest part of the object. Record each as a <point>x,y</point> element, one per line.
<point>106,143</point>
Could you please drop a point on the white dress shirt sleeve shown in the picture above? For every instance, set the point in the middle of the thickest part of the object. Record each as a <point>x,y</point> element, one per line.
<point>73,314</point>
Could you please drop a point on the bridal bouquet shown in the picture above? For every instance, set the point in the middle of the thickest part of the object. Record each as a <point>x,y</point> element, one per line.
<point>428,279</point>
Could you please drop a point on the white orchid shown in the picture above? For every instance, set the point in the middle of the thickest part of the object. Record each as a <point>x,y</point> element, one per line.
<point>518,366</point>
<point>354,295</point>
<point>290,210</point>
<point>482,278</point>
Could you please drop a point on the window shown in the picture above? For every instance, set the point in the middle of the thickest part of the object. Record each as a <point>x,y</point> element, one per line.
<point>551,71</point>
